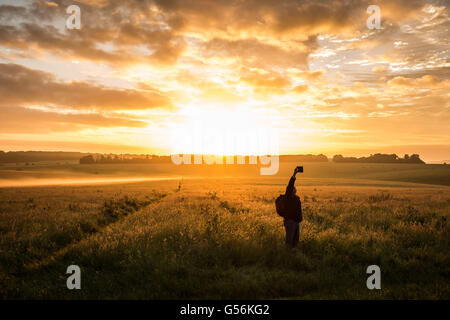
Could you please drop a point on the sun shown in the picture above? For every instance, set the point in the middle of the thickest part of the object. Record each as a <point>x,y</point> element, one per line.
<point>218,130</point>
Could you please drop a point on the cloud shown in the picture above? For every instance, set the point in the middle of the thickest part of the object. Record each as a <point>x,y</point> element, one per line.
<point>254,53</point>
<point>311,75</point>
<point>23,86</point>
<point>426,81</point>
<point>264,79</point>
<point>8,12</point>
<point>242,28</point>
<point>106,34</point>
<point>379,69</point>
<point>300,88</point>
<point>402,81</point>
<point>282,17</point>
<point>26,120</point>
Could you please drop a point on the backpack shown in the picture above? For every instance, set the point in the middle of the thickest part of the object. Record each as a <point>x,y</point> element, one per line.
<point>280,205</point>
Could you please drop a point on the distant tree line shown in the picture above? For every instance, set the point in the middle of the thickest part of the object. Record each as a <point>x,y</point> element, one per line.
<point>89,158</point>
<point>114,159</point>
<point>304,158</point>
<point>380,158</point>
<point>35,156</point>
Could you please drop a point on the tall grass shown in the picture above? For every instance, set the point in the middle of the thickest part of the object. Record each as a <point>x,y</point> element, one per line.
<point>225,241</point>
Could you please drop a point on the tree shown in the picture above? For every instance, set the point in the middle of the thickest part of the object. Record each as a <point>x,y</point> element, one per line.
<point>415,159</point>
<point>380,158</point>
<point>87,159</point>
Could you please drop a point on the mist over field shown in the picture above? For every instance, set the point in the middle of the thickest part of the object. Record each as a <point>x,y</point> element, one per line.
<point>72,173</point>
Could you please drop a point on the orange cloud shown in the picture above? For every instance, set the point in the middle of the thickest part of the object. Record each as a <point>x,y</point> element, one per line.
<point>39,121</point>
<point>426,81</point>
<point>23,86</point>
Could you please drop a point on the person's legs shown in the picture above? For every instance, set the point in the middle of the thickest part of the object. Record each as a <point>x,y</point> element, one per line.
<point>286,228</point>
<point>296,234</point>
<point>290,232</point>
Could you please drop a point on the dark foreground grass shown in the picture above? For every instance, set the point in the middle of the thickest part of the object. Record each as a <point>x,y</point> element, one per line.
<point>224,241</point>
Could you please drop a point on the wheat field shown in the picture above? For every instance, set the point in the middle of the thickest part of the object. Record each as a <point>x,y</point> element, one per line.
<point>220,238</point>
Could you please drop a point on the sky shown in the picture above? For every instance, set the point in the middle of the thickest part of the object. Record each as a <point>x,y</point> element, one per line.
<point>142,76</point>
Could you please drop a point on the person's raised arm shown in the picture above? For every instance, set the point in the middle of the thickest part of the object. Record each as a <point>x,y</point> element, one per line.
<point>291,183</point>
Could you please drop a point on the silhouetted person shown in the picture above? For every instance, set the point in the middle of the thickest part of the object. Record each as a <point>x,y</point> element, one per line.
<point>293,213</point>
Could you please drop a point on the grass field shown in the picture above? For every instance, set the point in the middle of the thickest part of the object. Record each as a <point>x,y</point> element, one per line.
<point>220,237</point>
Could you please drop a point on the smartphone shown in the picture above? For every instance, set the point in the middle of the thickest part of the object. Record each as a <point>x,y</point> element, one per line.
<point>300,169</point>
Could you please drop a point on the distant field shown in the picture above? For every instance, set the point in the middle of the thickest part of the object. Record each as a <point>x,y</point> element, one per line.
<point>221,238</point>
<point>51,172</point>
